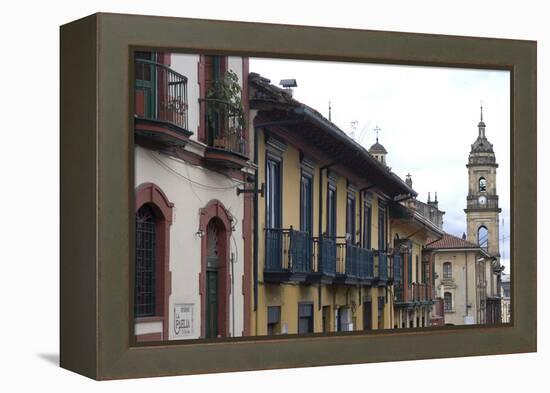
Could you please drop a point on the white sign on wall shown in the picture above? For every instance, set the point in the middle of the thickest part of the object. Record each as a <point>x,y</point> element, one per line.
<point>183,319</point>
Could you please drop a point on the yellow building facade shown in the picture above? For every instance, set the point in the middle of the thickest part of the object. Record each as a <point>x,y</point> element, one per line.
<point>322,257</point>
<point>414,295</point>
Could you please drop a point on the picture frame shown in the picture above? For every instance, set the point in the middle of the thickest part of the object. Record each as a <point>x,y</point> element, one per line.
<point>97,194</point>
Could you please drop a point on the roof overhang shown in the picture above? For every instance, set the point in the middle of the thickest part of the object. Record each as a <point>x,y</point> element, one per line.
<point>311,127</point>
<point>400,212</point>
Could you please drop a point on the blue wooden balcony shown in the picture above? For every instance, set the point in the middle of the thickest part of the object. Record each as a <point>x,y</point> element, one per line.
<point>323,261</point>
<point>366,266</point>
<point>354,265</point>
<point>347,263</point>
<point>288,255</point>
<point>395,269</point>
<point>380,268</point>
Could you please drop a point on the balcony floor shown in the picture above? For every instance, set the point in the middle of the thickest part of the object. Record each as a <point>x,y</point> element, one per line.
<point>224,157</point>
<point>282,276</point>
<point>160,133</point>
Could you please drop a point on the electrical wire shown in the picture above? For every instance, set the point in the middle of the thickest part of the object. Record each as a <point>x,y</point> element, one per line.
<point>235,182</point>
<point>166,166</point>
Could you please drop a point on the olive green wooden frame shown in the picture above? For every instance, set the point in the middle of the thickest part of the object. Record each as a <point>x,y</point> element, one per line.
<point>97,190</point>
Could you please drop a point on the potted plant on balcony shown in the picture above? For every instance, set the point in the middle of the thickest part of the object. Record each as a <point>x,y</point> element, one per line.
<point>225,113</point>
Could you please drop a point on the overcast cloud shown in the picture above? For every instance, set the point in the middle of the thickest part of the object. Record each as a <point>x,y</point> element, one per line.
<point>428,118</point>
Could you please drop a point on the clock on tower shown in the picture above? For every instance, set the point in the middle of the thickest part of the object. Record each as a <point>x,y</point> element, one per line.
<point>482,209</point>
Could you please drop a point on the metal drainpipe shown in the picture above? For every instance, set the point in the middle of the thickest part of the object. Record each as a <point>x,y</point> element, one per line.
<point>233,294</point>
<point>466,266</point>
<point>320,224</point>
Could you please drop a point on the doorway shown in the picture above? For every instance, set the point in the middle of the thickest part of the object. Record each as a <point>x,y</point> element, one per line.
<point>216,271</point>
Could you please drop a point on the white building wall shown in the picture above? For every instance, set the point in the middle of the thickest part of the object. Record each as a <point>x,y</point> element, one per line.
<point>172,176</point>
<point>190,188</point>
<point>235,64</point>
<point>187,65</point>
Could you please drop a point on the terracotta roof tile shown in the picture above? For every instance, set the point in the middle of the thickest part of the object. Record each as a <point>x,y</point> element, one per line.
<point>450,241</point>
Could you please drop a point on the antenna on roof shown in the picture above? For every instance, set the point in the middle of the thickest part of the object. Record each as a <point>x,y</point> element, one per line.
<point>353,126</point>
<point>329,111</point>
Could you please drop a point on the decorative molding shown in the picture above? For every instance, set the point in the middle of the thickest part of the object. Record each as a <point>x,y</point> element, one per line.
<point>307,164</point>
<point>275,145</point>
<point>332,177</point>
<point>352,188</point>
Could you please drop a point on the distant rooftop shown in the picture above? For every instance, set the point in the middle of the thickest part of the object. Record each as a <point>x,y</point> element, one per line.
<point>450,241</point>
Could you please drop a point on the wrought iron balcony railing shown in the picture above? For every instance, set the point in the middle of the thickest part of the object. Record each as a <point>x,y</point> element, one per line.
<point>324,258</point>
<point>225,126</point>
<point>414,292</point>
<point>396,268</point>
<point>289,254</point>
<point>366,264</point>
<point>287,250</point>
<point>354,264</point>
<point>403,293</point>
<point>160,94</point>
<point>380,266</point>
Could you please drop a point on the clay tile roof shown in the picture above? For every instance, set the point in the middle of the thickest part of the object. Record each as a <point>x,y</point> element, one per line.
<point>450,241</point>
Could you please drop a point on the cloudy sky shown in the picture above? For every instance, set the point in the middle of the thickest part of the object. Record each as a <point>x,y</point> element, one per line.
<point>427,117</point>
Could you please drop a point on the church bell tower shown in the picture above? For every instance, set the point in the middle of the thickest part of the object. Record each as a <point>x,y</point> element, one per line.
<point>482,211</point>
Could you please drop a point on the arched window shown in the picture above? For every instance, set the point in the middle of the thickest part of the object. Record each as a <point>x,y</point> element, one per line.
<point>482,184</point>
<point>448,301</point>
<point>151,269</point>
<point>144,296</point>
<point>483,237</point>
<point>447,270</point>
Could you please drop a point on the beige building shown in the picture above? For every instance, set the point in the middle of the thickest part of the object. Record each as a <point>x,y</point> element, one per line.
<point>506,306</point>
<point>414,294</point>
<point>462,269</point>
<point>467,269</point>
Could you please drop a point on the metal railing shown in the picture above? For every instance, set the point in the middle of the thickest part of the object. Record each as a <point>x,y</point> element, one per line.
<point>380,265</point>
<point>420,292</point>
<point>295,251</point>
<point>160,93</point>
<point>225,125</point>
<point>287,250</point>
<point>324,256</point>
<point>354,261</point>
<point>366,264</point>
<point>396,268</point>
<point>404,293</point>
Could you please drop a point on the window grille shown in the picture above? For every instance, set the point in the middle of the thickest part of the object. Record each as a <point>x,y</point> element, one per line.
<point>144,300</point>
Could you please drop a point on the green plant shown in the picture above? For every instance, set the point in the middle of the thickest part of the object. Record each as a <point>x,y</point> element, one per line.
<point>224,98</point>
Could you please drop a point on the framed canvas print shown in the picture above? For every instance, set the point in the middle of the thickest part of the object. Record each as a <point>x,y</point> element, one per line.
<point>242,196</point>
